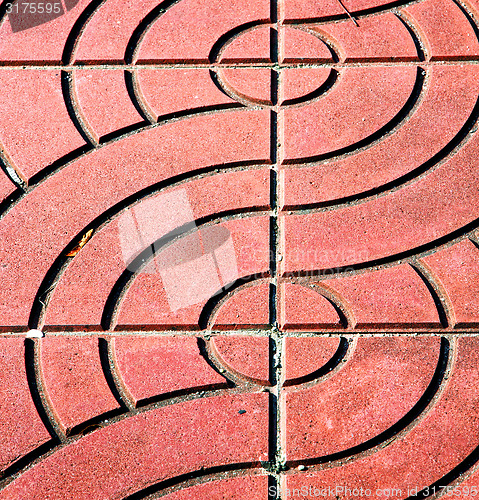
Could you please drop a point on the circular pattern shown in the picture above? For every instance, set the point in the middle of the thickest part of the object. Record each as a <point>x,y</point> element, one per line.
<point>313,160</point>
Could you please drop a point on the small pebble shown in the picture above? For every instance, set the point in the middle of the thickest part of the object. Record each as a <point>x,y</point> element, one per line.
<point>35,334</point>
<point>241,412</point>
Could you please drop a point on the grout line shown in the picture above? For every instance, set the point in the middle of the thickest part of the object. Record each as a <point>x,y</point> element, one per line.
<point>276,340</point>
<point>370,331</point>
<point>353,63</point>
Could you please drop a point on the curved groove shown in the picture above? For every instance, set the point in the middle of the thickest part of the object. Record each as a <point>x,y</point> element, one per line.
<point>54,273</point>
<point>216,301</point>
<point>58,164</point>
<point>418,43</point>
<point>134,95</point>
<point>420,407</point>
<point>358,14</point>
<point>448,151</point>
<point>325,38</point>
<point>241,99</point>
<point>321,90</point>
<point>11,200</point>
<point>469,18</point>
<point>344,312</point>
<point>77,30</point>
<point>3,10</point>
<point>377,136</point>
<point>215,363</point>
<point>140,31</point>
<point>14,174</point>
<point>120,288</point>
<point>226,38</point>
<point>94,423</point>
<point>108,368</point>
<point>116,136</point>
<point>457,234</point>
<point>475,241</point>
<point>183,478</point>
<point>45,450</point>
<point>219,83</point>
<point>337,358</point>
<point>439,298</point>
<point>448,478</point>
<point>71,103</point>
<point>123,133</point>
<point>223,85</point>
<point>42,406</point>
<point>238,378</point>
<point>27,459</point>
<point>204,110</point>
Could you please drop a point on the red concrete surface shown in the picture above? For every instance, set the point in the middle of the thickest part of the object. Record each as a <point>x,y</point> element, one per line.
<point>239,250</point>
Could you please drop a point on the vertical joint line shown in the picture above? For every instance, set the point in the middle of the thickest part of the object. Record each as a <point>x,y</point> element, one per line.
<point>276,339</point>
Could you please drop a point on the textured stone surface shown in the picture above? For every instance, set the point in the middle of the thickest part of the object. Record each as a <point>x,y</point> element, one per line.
<point>181,441</point>
<point>103,99</point>
<point>17,411</point>
<point>437,444</point>
<point>31,141</point>
<point>243,246</point>
<point>305,308</point>
<point>233,489</point>
<point>151,367</point>
<point>74,381</point>
<point>246,356</point>
<point>245,309</point>
<point>304,356</point>
<point>381,382</point>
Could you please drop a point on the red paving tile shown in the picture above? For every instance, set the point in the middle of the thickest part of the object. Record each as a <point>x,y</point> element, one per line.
<point>103,101</point>
<point>399,155</point>
<point>247,308</point>
<point>152,367</point>
<point>320,350</point>
<point>21,427</point>
<point>249,234</point>
<point>73,379</point>
<point>385,378</point>
<point>348,113</point>
<point>246,356</point>
<point>155,88</point>
<point>256,488</point>
<point>32,142</point>
<point>305,308</point>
